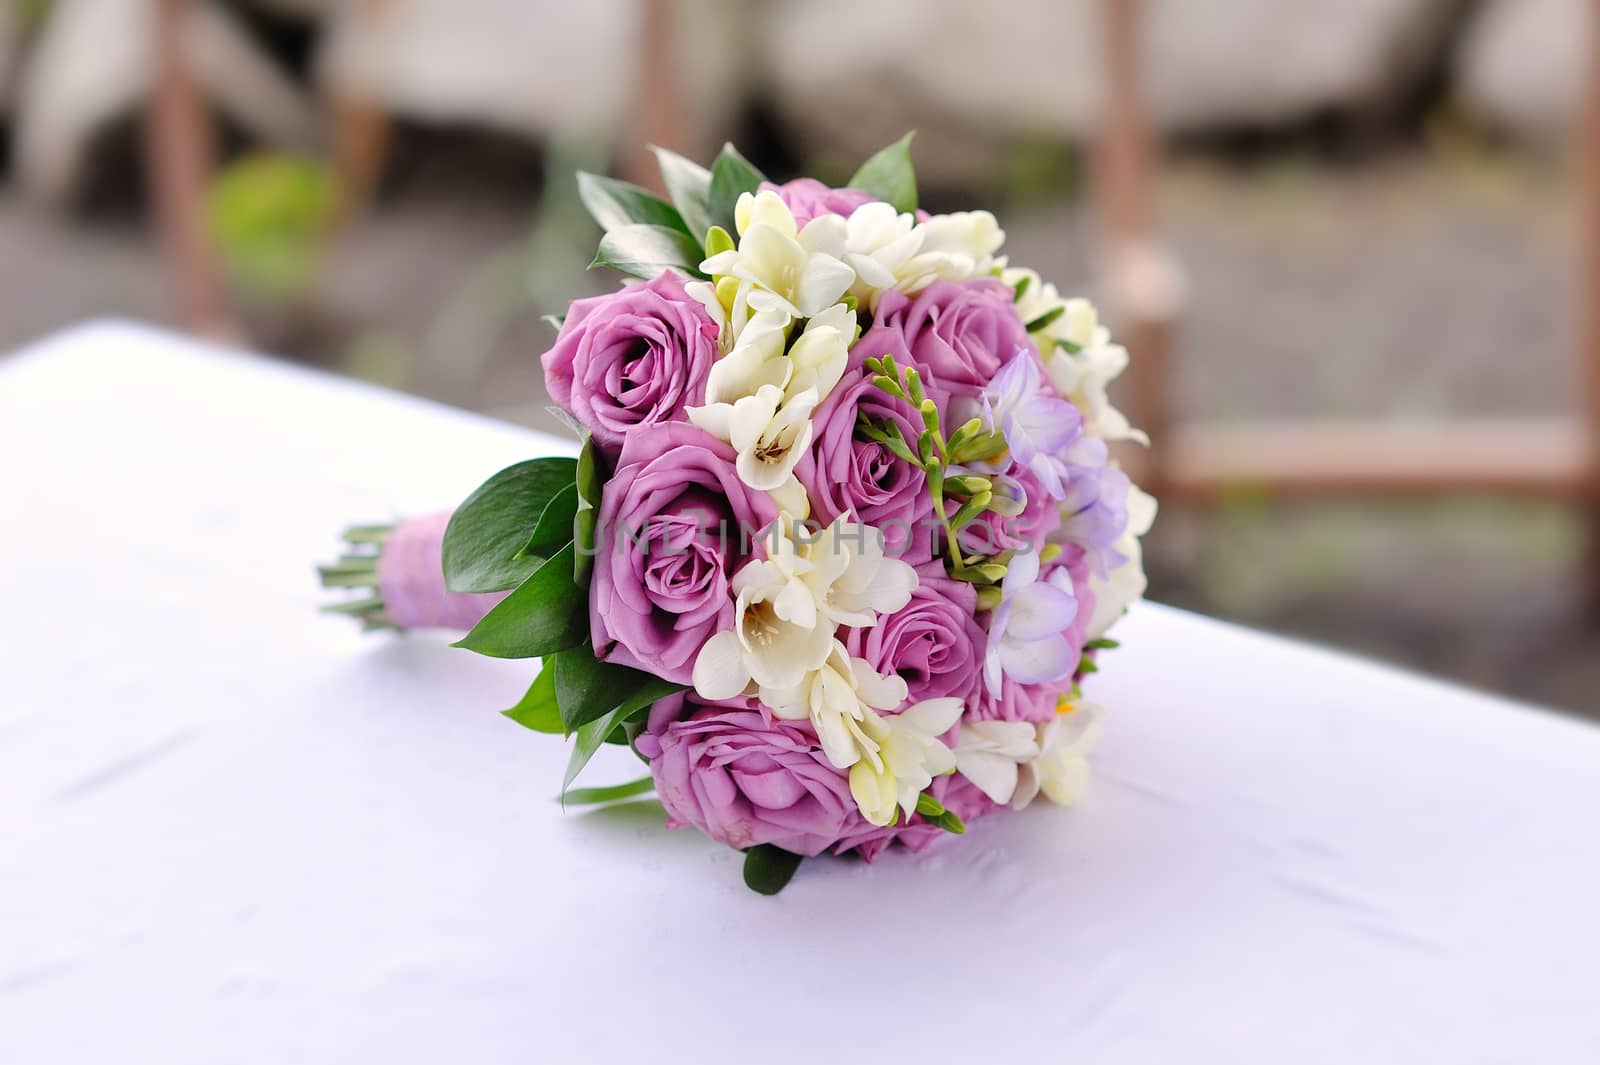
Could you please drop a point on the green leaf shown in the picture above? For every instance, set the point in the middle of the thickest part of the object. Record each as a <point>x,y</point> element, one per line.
<point>592,474</point>
<point>731,175</point>
<point>928,806</point>
<point>950,822</point>
<point>1104,643</point>
<point>768,869</point>
<point>590,796</point>
<point>538,709</point>
<point>889,176</point>
<point>588,688</point>
<point>488,530</point>
<point>1047,318</point>
<point>614,204</point>
<point>645,251</point>
<point>589,737</point>
<point>689,185</point>
<point>548,612</point>
<point>554,530</point>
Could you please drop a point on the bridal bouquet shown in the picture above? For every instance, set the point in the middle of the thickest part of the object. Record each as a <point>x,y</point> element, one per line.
<point>843,537</point>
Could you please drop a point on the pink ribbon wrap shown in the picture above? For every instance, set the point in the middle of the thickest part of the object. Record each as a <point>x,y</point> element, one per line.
<point>411,580</point>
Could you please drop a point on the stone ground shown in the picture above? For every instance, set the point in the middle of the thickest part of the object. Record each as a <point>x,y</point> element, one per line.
<point>1410,284</point>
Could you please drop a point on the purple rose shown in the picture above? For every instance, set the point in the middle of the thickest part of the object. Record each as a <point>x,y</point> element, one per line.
<point>958,333</point>
<point>744,779</point>
<point>847,473</point>
<point>807,198</point>
<point>634,358</point>
<point>933,642</point>
<point>675,521</point>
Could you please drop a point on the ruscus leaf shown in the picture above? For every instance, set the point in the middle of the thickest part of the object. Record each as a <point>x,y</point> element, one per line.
<point>590,796</point>
<point>689,185</point>
<point>538,709</point>
<point>731,176</point>
<point>614,204</point>
<point>768,869</point>
<point>547,613</point>
<point>889,176</point>
<point>645,251</point>
<point>488,531</point>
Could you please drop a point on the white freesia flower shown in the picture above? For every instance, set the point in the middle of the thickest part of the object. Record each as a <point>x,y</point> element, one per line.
<point>1125,584</point>
<point>770,434</point>
<point>765,644</point>
<point>1083,375</point>
<point>910,754</point>
<point>1061,771</point>
<point>760,398</point>
<point>889,250</point>
<point>1035,298</point>
<point>961,245</point>
<point>788,605</point>
<point>839,575</point>
<point>818,357</point>
<point>779,268</point>
<point>880,246</point>
<point>988,753</point>
<point>840,697</point>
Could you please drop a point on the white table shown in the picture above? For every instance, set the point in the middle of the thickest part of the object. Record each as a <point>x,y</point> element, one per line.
<point>234,831</point>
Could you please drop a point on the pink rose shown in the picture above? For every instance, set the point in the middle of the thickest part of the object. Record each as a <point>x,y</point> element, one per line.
<point>958,333</point>
<point>933,642</point>
<point>631,359</point>
<point>845,472</point>
<point>744,779</point>
<point>807,198</point>
<point>675,522</point>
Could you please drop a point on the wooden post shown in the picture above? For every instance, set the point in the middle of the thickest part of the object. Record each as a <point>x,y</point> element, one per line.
<point>1588,153</point>
<point>178,162</point>
<point>658,106</point>
<point>1123,167</point>
<point>361,132</point>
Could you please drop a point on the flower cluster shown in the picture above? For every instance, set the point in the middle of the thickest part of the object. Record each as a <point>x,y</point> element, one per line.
<point>846,533</point>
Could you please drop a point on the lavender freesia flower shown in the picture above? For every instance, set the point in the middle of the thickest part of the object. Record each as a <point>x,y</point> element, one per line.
<point>1038,426</point>
<point>1028,629</point>
<point>1094,511</point>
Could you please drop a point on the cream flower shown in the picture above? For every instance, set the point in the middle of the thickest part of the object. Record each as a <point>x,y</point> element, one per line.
<point>779,268</point>
<point>840,697</point>
<point>961,245</point>
<point>888,250</point>
<point>1061,771</point>
<point>760,398</point>
<point>1084,368</point>
<point>910,754</point>
<point>880,246</point>
<point>989,752</point>
<point>838,575</point>
<point>764,645</point>
<point>770,434</point>
<point>788,605</point>
<point>818,357</point>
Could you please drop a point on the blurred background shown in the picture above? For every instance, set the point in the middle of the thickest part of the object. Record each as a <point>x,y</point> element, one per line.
<point>1354,246</point>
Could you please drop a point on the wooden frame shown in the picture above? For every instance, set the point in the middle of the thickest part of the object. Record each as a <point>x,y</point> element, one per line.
<point>179,155</point>
<point>1554,458</point>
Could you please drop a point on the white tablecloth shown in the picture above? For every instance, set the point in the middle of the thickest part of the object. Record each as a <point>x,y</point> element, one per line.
<point>234,831</point>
